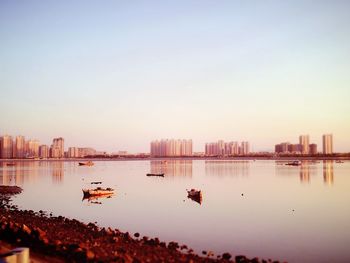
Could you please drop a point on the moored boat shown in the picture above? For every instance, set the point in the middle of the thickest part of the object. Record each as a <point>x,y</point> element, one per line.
<point>152,174</point>
<point>195,195</point>
<point>99,191</point>
<point>294,163</point>
<point>89,163</point>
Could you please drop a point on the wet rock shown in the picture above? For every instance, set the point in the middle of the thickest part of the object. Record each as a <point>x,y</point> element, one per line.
<point>162,244</point>
<point>240,259</point>
<point>210,253</point>
<point>136,234</point>
<point>90,255</point>
<point>173,245</point>
<point>26,229</point>
<point>183,247</point>
<point>204,252</point>
<point>226,256</point>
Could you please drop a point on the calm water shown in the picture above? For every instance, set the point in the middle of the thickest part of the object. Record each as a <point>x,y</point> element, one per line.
<point>297,214</point>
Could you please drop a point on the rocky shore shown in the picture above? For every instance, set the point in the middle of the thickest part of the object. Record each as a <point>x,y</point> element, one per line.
<point>74,241</point>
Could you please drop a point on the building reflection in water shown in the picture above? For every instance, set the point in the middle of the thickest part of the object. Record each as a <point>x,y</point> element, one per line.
<point>328,173</point>
<point>19,173</point>
<point>304,172</point>
<point>57,172</point>
<point>307,169</point>
<point>172,167</point>
<point>227,168</point>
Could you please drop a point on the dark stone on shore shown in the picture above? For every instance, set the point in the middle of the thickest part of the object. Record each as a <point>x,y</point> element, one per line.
<point>240,258</point>
<point>173,245</point>
<point>136,234</point>
<point>226,256</point>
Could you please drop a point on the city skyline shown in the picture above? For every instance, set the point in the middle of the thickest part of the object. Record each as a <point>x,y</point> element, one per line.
<point>122,74</point>
<point>19,147</point>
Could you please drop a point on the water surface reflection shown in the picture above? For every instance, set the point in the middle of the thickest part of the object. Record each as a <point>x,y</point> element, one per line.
<point>27,171</point>
<point>227,168</point>
<point>177,168</point>
<point>285,208</point>
<point>328,172</point>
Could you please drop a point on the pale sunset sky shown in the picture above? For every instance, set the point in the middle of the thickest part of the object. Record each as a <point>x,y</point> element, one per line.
<point>115,75</point>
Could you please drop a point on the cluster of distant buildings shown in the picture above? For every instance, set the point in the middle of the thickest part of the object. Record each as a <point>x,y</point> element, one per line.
<point>184,148</point>
<point>304,147</point>
<point>221,148</point>
<point>171,148</point>
<point>20,148</point>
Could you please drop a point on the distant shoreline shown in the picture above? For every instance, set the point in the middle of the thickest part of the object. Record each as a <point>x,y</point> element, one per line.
<point>236,158</point>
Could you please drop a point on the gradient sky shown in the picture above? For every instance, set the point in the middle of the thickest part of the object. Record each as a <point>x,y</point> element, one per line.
<point>115,75</point>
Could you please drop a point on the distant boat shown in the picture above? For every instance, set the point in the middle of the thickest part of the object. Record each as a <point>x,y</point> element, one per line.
<point>89,163</point>
<point>195,195</point>
<point>160,175</point>
<point>294,163</point>
<point>98,192</point>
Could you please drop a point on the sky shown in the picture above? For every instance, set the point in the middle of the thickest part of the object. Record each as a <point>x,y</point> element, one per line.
<point>115,75</point>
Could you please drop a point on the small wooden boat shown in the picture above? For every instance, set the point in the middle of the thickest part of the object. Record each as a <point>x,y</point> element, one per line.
<point>89,163</point>
<point>195,195</point>
<point>96,182</point>
<point>160,175</point>
<point>98,192</point>
<point>294,163</point>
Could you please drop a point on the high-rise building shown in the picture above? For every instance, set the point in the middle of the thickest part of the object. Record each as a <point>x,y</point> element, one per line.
<point>73,152</point>
<point>32,148</point>
<point>57,148</point>
<point>294,148</point>
<point>44,151</point>
<point>171,148</point>
<point>313,148</point>
<point>284,147</point>
<point>304,142</point>
<point>245,148</point>
<point>83,152</point>
<point>6,146</point>
<point>327,143</point>
<point>19,147</point>
<point>222,148</point>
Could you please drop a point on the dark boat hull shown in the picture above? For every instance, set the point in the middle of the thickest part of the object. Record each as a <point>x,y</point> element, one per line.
<point>159,175</point>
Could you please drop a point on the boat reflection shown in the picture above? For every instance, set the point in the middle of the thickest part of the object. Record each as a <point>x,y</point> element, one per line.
<point>96,199</point>
<point>172,168</point>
